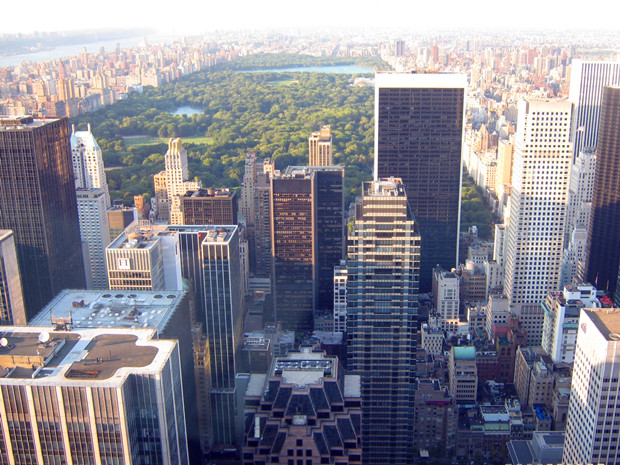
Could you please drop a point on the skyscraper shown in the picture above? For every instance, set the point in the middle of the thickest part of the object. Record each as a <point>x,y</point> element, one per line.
<point>382,305</point>
<point>320,147</point>
<point>603,253</point>
<point>12,311</point>
<point>587,80</point>
<point>224,327</point>
<point>87,160</point>
<point>419,122</point>
<point>93,201</point>
<point>209,206</point>
<point>172,183</point>
<point>593,415</point>
<point>307,241</point>
<point>38,202</point>
<point>535,233</point>
<point>91,396</point>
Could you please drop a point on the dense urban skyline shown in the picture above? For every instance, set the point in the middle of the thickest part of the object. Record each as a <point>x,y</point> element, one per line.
<point>282,351</point>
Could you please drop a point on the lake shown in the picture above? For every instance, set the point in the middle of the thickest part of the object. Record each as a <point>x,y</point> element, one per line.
<point>337,69</point>
<point>187,111</point>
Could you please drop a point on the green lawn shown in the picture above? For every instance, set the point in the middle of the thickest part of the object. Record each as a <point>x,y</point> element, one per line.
<point>149,140</point>
<point>284,82</point>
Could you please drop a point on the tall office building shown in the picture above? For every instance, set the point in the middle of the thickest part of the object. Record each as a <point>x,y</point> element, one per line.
<point>603,253</point>
<point>90,396</point>
<point>87,161</point>
<point>95,234</point>
<point>587,80</point>
<point>209,206</point>
<point>172,183</point>
<point>93,201</point>
<point>12,310</point>
<point>37,201</point>
<point>535,233</point>
<point>580,191</point>
<point>307,241</point>
<point>593,416</point>
<point>320,147</point>
<point>223,328</point>
<point>144,258</point>
<point>382,305</point>
<point>419,127</point>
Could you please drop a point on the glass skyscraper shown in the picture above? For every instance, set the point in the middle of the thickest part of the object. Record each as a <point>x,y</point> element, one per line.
<point>38,202</point>
<point>383,263</point>
<point>419,138</point>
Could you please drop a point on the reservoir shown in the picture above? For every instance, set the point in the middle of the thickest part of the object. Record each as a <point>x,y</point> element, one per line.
<point>338,69</point>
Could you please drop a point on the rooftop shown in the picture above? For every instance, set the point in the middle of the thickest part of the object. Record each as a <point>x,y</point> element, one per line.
<point>210,192</point>
<point>607,321</point>
<point>304,367</point>
<point>111,309</point>
<point>43,356</point>
<point>464,353</point>
<point>12,123</point>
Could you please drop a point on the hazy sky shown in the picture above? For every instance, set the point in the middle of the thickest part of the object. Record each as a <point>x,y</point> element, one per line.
<point>196,16</point>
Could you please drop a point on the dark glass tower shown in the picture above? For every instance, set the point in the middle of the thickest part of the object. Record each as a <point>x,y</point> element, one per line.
<point>38,202</point>
<point>418,138</point>
<point>603,254</point>
<point>307,210</point>
<point>383,263</point>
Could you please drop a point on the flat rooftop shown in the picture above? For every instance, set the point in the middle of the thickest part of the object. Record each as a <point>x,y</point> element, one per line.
<point>607,321</point>
<point>43,356</point>
<point>209,192</point>
<point>304,367</point>
<point>110,309</point>
<point>26,122</point>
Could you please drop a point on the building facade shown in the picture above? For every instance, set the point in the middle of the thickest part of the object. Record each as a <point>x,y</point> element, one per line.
<point>224,328</point>
<point>419,127</point>
<point>12,310</point>
<point>587,80</point>
<point>95,233</point>
<point>111,396</point>
<point>382,306</point>
<point>38,202</point>
<point>539,197</point>
<point>209,206</point>
<point>305,409</point>
<point>603,252</point>
<point>320,147</point>
<point>593,418</point>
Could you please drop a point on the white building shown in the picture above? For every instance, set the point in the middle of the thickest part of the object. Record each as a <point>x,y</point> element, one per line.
<point>176,175</point>
<point>320,147</point>
<point>446,298</point>
<point>496,312</point>
<point>593,415</point>
<point>98,395</point>
<point>561,319</point>
<point>145,257</point>
<point>340,297</point>
<point>88,162</point>
<point>95,234</point>
<point>93,202</point>
<point>539,197</point>
<point>587,80</point>
<point>580,190</point>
